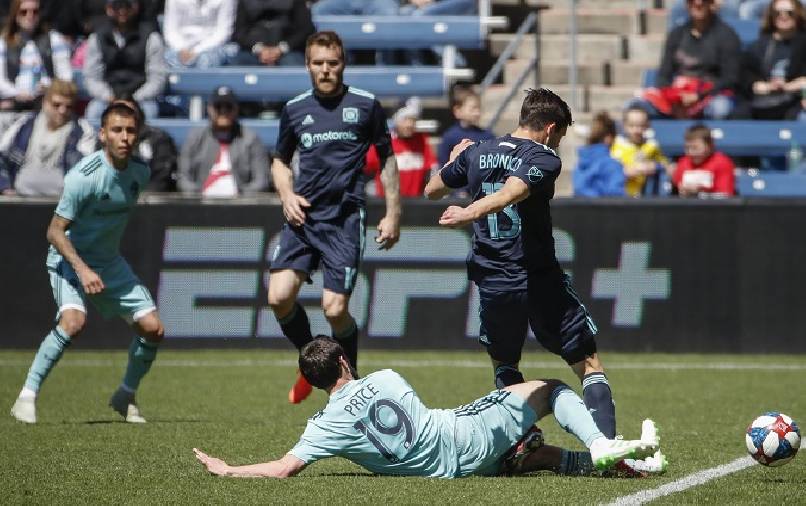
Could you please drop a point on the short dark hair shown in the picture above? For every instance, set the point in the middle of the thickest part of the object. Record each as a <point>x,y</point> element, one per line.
<point>326,38</point>
<point>602,126</point>
<point>634,108</point>
<point>122,109</point>
<point>701,132</point>
<point>541,107</point>
<point>319,361</point>
<point>461,93</point>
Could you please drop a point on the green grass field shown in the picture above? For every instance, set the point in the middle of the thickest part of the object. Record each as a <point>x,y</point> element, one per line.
<point>232,404</point>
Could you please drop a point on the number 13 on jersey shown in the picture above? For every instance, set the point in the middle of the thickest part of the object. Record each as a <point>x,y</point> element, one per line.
<point>510,211</point>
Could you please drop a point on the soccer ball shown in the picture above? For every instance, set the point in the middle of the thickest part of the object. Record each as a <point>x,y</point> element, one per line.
<point>773,439</point>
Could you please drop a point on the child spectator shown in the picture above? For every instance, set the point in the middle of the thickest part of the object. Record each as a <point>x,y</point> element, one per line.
<point>642,159</point>
<point>467,111</point>
<point>703,171</point>
<point>415,158</point>
<point>597,174</point>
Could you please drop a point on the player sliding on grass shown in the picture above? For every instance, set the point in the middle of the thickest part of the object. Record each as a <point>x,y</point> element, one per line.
<point>331,128</point>
<point>84,262</point>
<point>379,423</point>
<point>512,261</point>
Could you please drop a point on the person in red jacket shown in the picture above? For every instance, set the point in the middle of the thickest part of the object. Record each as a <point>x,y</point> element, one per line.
<point>703,171</point>
<point>415,158</point>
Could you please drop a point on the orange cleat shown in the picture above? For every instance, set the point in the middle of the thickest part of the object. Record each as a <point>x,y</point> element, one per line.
<point>300,391</point>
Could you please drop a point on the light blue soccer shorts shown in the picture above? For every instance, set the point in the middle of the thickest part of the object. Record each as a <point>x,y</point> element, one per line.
<point>124,294</point>
<point>487,428</point>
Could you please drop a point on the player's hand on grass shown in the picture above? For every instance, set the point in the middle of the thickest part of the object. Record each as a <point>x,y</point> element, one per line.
<point>90,281</point>
<point>455,216</point>
<point>213,465</point>
<point>388,232</point>
<point>294,209</point>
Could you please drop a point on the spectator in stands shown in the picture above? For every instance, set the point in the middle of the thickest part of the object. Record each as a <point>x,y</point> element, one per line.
<point>361,8</point>
<point>678,14</point>
<point>39,148</point>
<point>272,32</point>
<point>125,58</point>
<point>224,159</point>
<point>466,109</point>
<point>597,174</point>
<point>197,32</point>
<point>642,158</point>
<point>157,149</point>
<point>775,64</point>
<point>30,57</point>
<point>413,153</point>
<point>703,171</point>
<point>699,70</point>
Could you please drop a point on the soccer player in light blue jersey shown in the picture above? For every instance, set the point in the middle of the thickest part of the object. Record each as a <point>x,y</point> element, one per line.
<point>381,424</point>
<point>84,262</point>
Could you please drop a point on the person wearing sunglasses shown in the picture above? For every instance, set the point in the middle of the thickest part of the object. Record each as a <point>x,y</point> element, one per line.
<point>31,56</point>
<point>775,64</point>
<point>223,159</point>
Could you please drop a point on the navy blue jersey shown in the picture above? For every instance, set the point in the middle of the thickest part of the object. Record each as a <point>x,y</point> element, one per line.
<point>508,245</point>
<point>333,135</point>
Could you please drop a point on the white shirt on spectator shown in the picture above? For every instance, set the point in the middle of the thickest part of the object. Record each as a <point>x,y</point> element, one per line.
<point>198,25</point>
<point>25,82</point>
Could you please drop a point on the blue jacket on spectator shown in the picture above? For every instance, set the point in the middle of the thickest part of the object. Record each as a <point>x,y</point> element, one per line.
<point>597,174</point>
<point>454,136</point>
<point>11,160</point>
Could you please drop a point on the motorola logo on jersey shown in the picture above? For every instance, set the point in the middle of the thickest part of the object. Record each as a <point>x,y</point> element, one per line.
<point>307,140</point>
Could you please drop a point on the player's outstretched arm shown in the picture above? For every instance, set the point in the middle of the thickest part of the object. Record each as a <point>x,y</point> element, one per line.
<point>293,205</point>
<point>90,280</point>
<point>285,467</point>
<point>513,191</point>
<point>436,188</point>
<point>389,227</point>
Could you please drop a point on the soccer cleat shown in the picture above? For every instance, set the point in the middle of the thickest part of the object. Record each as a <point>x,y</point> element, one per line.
<point>656,464</point>
<point>605,453</point>
<point>24,410</point>
<point>300,391</point>
<point>123,402</point>
<point>649,432</point>
<point>513,460</point>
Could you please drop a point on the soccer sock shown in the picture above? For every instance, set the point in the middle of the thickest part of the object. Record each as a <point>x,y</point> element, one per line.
<point>50,351</point>
<point>575,464</point>
<point>506,375</point>
<point>296,326</point>
<point>599,399</point>
<point>348,339</point>
<point>141,355</point>
<point>572,415</point>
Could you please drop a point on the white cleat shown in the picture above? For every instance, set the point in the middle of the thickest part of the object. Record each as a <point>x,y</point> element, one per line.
<point>656,464</point>
<point>605,453</point>
<point>649,432</point>
<point>123,402</point>
<point>24,410</point>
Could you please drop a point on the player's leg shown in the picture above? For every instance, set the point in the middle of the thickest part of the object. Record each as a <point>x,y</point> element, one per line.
<point>554,396</point>
<point>284,287</point>
<point>70,318</point>
<point>342,324</point>
<point>502,332</point>
<point>563,325</point>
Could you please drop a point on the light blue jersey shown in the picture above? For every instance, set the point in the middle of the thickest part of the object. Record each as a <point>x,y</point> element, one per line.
<point>98,200</point>
<point>379,423</point>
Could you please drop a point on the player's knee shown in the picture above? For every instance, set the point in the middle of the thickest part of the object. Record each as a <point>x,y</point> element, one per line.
<point>72,322</point>
<point>281,302</point>
<point>151,329</point>
<point>335,308</point>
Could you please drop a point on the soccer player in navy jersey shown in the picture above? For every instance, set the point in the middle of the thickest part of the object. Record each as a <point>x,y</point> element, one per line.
<point>512,261</point>
<point>332,127</point>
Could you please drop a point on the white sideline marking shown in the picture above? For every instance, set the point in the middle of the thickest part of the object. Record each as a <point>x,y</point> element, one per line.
<point>688,482</point>
<point>417,364</point>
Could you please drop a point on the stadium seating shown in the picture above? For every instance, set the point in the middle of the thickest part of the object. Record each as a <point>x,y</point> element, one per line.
<point>735,138</point>
<point>393,32</point>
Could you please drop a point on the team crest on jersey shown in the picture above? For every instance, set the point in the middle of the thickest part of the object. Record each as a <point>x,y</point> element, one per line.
<point>308,120</point>
<point>349,115</point>
<point>306,139</point>
<point>534,174</point>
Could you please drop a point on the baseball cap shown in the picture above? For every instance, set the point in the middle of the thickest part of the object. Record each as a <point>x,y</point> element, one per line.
<point>223,95</point>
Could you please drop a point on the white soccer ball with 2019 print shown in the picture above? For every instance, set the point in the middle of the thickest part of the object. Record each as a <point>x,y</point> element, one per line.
<point>773,439</point>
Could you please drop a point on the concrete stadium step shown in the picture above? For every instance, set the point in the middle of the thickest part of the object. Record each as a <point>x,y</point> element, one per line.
<point>591,21</point>
<point>628,73</point>
<point>556,72</point>
<point>563,4</point>
<point>645,47</point>
<point>590,47</point>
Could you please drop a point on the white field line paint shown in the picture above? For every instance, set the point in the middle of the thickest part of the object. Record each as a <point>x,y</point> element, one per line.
<point>462,364</point>
<point>687,482</point>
